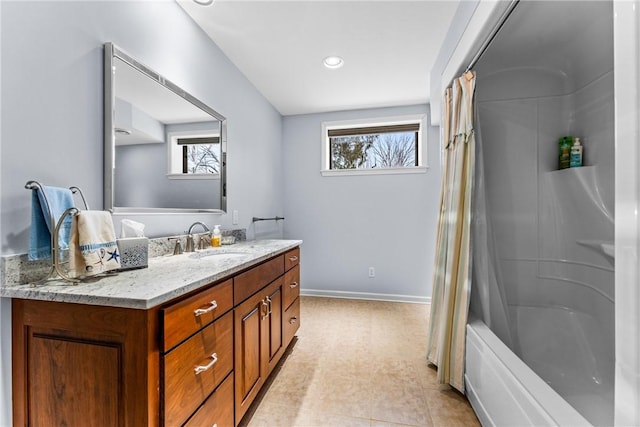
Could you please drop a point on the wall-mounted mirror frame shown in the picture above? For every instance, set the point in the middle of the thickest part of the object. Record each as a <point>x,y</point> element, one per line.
<point>113,201</point>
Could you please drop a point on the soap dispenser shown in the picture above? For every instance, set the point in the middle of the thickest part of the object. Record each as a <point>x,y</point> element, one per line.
<point>217,236</point>
<point>576,154</point>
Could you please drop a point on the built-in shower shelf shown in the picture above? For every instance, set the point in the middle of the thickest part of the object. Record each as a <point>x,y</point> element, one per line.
<point>571,170</point>
<point>605,248</point>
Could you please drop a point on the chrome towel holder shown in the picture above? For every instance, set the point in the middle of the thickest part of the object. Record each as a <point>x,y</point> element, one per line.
<point>275,218</point>
<point>56,270</point>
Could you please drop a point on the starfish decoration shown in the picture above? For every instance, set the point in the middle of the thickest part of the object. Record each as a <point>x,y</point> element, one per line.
<point>114,255</point>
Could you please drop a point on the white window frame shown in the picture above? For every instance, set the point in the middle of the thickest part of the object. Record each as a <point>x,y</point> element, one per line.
<point>174,153</point>
<point>380,121</point>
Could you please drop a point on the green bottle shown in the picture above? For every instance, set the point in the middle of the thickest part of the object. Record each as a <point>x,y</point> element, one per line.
<point>564,144</point>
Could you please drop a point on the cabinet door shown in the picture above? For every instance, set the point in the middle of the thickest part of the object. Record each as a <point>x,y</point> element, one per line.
<point>273,326</point>
<point>249,373</point>
<point>81,365</point>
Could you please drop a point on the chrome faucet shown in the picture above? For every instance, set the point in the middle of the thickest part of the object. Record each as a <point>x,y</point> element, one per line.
<point>190,247</point>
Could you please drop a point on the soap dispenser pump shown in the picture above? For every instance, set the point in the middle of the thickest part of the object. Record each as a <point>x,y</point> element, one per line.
<point>216,237</point>
<point>576,154</point>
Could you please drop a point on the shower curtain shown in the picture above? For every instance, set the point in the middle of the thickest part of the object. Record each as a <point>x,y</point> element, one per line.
<point>452,270</point>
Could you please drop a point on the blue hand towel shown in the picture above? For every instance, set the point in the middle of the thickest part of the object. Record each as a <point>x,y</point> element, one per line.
<point>60,199</point>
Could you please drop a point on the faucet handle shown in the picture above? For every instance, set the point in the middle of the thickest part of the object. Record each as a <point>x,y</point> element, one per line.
<point>177,249</point>
<point>189,247</point>
<point>204,241</point>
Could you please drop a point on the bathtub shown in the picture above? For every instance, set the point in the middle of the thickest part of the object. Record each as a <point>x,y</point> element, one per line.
<point>504,391</point>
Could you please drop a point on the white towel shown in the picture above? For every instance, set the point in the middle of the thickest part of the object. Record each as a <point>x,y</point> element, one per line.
<point>93,244</point>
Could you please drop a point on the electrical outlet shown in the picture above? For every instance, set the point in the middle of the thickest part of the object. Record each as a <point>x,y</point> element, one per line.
<point>372,272</point>
<point>234,217</point>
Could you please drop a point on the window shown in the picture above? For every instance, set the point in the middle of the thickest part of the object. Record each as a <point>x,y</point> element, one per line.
<point>372,146</point>
<point>194,156</point>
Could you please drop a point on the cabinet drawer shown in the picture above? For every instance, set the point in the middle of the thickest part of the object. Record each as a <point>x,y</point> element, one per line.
<point>184,318</point>
<point>291,288</point>
<point>194,369</point>
<point>291,321</point>
<point>217,410</point>
<point>291,258</point>
<point>250,282</point>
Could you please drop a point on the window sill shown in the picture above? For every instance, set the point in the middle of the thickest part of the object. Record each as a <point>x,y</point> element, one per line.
<point>381,171</point>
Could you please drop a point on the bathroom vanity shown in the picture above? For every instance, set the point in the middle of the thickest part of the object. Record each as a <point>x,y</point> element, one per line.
<point>188,341</point>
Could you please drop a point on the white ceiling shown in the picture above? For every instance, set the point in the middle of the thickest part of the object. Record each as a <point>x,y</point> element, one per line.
<point>388,48</point>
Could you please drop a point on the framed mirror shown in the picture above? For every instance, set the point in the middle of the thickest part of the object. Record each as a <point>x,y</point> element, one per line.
<point>164,150</point>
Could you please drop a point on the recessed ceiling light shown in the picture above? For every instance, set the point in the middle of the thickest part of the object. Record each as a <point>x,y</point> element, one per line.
<point>204,2</point>
<point>333,62</point>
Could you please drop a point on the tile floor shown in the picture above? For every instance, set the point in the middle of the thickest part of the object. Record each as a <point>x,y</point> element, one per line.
<point>358,363</point>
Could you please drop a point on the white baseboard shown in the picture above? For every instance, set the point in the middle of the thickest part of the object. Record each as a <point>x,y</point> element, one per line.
<point>365,296</point>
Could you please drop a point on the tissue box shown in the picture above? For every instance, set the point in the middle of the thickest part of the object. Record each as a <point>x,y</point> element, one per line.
<point>134,252</point>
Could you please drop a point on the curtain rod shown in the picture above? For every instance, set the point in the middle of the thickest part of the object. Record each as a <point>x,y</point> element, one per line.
<point>496,29</point>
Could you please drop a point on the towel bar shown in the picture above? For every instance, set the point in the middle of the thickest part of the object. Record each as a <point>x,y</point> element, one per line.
<point>56,270</point>
<point>275,218</point>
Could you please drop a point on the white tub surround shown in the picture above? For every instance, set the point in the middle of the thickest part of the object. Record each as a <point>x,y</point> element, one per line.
<point>554,229</point>
<point>496,378</point>
<point>627,194</point>
<point>166,278</point>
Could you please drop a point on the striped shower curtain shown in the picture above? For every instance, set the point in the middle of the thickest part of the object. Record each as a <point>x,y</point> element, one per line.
<point>452,270</point>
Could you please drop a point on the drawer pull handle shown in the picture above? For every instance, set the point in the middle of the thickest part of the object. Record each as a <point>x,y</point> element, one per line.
<point>293,258</point>
<point>293,285</point>
<point>293,320</point>
<point>269,305</point>
<point>199,369</point>
<point>266,309</point>
<point>211,307</point>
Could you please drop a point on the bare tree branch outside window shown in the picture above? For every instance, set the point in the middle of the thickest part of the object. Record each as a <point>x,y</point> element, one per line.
<point>202,158</point>
<point>384,150</point>
<point>392,150</point>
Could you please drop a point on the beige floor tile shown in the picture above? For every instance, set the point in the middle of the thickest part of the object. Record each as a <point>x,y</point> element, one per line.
<point>359,363</point>
<point>450,408</point>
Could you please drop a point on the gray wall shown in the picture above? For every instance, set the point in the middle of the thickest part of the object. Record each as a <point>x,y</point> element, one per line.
<point>351,223</point>
<point>51,57</point>
<point>52,77</point>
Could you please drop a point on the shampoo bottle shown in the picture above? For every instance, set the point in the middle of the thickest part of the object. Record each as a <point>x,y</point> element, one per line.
<point>576,154</point>
<point>217,235</point>
<point>564,145</point>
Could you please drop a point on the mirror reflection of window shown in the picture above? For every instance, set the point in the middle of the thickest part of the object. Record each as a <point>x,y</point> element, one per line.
<point>200,155</point>
<point>194,152</point>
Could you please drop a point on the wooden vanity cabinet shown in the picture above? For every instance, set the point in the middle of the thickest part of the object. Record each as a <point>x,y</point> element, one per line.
<point>84,365</point>
<point>198,360</point>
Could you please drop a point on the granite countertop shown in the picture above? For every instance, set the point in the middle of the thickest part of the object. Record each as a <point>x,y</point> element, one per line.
<point>166,278</point>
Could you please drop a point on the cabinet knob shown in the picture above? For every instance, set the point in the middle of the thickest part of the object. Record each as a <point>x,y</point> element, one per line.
<point>293,258</point>
<point>199,369</point>
<point>293,284</point>
<point>212,306</point>
<point>293,320</point>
